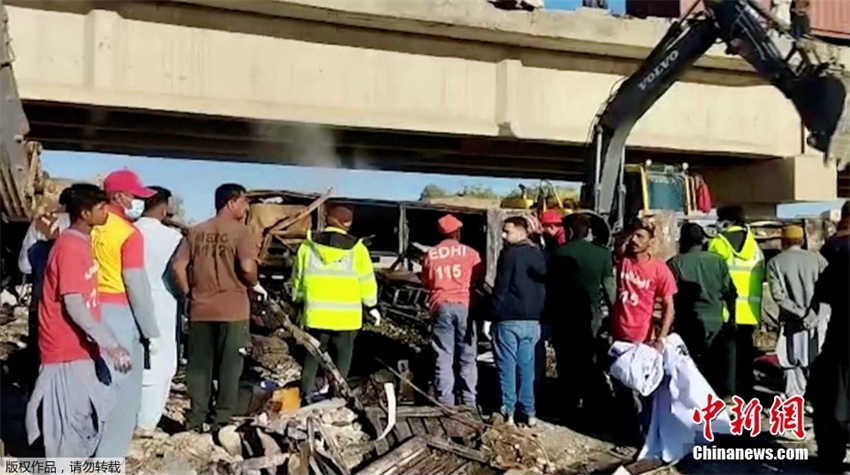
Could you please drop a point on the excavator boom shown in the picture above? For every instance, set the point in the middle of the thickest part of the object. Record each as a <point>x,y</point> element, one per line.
<point>817,89</point>
<point>19,164</point>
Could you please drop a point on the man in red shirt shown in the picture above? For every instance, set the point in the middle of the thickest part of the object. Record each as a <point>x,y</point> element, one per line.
<point>449,270</point>
<point>641,279</point>
<point>73,386</point>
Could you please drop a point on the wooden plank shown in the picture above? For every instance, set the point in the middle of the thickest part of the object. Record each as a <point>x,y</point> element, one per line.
<point>454,465</point>
<point>420,411</point>
<point>466,452</point>
<point>373,415</point>
<point>402,430</point>
<point>417,465</point>
<point>430,411</point>
<point>417,426</point>
<point>445,464</point>
<point>401,455</point>
<point>432,425</point>
<point>462,469</point>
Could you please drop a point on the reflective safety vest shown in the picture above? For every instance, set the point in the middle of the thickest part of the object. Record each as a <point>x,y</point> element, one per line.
<point>334,284</point>
<point>748,273</point>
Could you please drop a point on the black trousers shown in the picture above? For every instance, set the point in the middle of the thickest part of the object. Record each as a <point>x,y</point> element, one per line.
<point>341,346</point>
<point>831,436</point>
<point>580,374</point>
<point>214,354</point>
<point>717,361</point>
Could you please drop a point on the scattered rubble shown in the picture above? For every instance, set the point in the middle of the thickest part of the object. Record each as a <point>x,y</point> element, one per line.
<point>13,330</point>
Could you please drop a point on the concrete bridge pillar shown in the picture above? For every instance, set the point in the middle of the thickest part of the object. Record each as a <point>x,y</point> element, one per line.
<point>772,181</point>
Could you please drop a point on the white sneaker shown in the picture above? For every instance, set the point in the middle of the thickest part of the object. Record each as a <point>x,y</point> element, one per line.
<point>532,421</point>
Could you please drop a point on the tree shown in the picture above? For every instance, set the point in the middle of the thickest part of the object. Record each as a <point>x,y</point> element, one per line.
<point>478,191</point>
<point>433,191</point>
<point>178,207</point>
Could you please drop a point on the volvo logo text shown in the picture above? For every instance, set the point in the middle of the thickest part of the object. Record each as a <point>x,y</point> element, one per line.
<point>653,75</point>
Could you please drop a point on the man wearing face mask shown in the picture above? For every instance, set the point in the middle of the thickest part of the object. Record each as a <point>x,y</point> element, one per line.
<point>125,294</point>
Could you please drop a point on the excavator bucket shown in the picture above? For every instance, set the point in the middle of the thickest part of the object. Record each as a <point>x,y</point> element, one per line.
<point>839,144</point>
<point>824,106</point>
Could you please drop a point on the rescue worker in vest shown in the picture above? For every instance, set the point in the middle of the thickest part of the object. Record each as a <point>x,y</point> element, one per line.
<point>449,270</point>
<point>333,279</point>
<point>125,295</point>
<point>736,244</point>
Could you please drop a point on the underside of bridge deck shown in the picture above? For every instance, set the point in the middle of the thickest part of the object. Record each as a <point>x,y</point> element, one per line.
<point>145,132</point>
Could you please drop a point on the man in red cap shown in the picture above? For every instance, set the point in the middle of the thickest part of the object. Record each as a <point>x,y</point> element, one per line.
<point>449,270</point>
<point>553,229</point>
<point>126,301</point>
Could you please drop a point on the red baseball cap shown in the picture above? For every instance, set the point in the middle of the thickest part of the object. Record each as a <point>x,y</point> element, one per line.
<point>550,217</point>
<point>449,224</point>
<point>126,181</point>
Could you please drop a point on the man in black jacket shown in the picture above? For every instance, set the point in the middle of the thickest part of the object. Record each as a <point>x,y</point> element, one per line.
<point>518,296</point>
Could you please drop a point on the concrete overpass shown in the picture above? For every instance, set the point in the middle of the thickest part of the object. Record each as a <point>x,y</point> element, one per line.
<point>426,85</point>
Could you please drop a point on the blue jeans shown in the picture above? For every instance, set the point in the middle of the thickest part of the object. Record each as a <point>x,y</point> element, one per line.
<point>513,344</point>
<point>454,345</point>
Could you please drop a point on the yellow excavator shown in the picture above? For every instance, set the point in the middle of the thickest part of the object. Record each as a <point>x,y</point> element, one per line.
<point>547,198</point>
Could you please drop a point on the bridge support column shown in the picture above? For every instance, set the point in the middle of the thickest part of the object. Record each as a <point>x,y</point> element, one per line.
<point>770,182</point>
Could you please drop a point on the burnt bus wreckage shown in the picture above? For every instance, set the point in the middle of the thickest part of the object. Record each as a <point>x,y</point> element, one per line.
<point>397,233</point>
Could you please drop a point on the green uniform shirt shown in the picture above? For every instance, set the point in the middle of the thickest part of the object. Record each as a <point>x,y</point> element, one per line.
<point>583,270</point>
<point>704,285</point>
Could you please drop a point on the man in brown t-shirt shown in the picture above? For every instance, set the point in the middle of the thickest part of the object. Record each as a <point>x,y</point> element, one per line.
<point>215,266</point>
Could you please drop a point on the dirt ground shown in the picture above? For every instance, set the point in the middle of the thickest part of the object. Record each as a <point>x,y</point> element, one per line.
<point>580,445</point>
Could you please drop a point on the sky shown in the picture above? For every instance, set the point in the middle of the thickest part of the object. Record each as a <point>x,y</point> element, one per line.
<point>618,6</point>
<point>195,180</point>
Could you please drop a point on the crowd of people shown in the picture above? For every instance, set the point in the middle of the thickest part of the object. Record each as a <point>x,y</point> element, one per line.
<point>110,278</point>
<point>553,283</point>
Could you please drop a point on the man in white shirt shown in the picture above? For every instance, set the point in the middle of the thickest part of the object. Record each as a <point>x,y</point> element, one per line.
<point>160,242</point>
<point>32,261</point>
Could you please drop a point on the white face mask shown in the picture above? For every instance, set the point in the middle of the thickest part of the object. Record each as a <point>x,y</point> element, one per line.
<point>137,207</point>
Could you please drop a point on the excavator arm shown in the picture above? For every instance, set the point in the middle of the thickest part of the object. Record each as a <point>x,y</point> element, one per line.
<point>816,88</point>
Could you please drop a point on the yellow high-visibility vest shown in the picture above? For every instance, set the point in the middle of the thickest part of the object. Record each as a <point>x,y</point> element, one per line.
<point>334,284</point>
<point>748,273</point>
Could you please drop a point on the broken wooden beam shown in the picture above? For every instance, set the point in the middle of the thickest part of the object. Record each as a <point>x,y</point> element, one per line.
<point>457,449</point>
<point>285,222</point>
<point>420,411</point>
<point>399,456</point>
